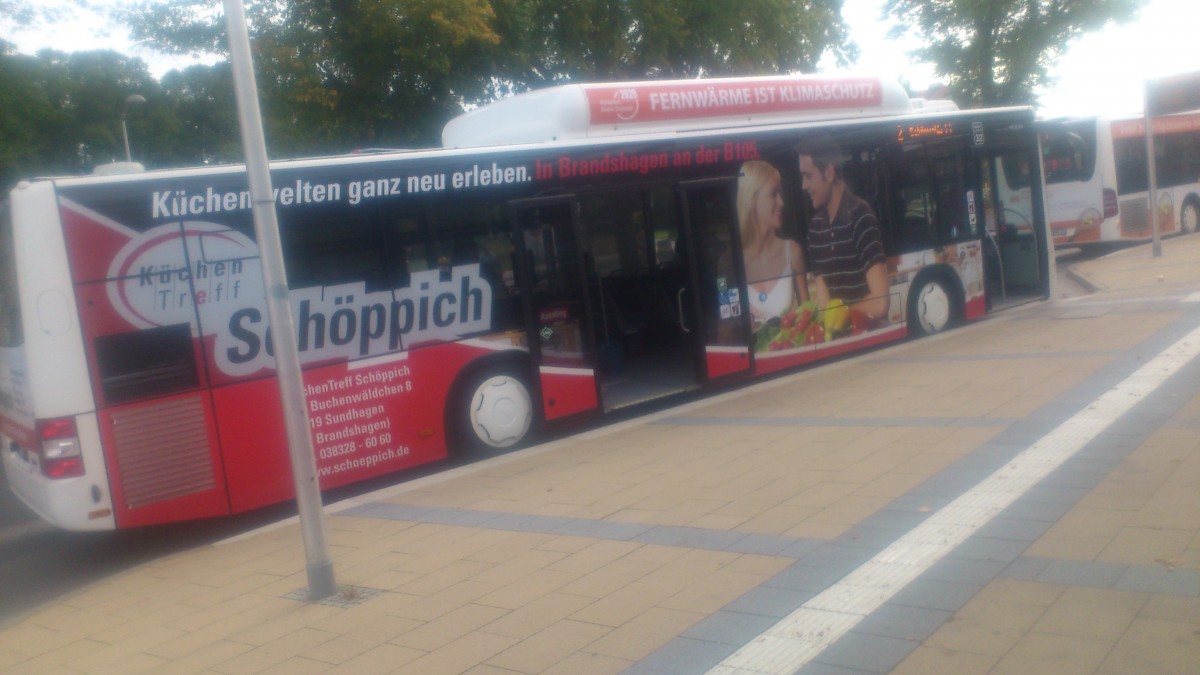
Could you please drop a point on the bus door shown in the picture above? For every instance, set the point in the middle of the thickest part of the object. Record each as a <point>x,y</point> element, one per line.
<point>1013,242</point>
<point>721,331</point>
<point>637,276</point>
<point>558,314</point>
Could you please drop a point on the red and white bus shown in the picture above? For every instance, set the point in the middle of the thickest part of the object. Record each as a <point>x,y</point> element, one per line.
<point>570,252</point>
<point>1097,178</point>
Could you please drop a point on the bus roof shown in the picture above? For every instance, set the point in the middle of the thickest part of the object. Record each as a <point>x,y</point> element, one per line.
<point>575,111</point>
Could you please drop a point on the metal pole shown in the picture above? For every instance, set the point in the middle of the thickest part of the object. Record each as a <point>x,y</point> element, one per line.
<point>1152,174</point>
<point>132,98</point>
<point>125,135</point>
<point>283,332</point>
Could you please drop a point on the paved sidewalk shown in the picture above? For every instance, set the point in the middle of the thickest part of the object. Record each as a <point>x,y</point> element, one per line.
<point>668,543</point>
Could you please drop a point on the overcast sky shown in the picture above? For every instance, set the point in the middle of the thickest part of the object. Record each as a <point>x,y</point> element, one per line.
<point>1101,73</point>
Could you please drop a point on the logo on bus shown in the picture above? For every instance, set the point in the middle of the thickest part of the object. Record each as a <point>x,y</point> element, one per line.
<point>623,104</point>
<point>178,273</point>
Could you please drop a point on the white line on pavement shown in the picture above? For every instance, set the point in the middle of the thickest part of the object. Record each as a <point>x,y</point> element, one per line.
<point>801,636</point>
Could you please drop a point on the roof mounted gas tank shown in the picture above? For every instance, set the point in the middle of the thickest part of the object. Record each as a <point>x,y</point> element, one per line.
<point>575,111</point>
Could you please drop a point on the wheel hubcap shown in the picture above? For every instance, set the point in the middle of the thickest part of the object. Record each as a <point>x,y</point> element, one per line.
<point>501,411</point>
<point>934,308</point>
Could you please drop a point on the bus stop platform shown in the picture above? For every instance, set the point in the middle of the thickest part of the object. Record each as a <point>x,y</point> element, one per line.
<point>1019,495</point>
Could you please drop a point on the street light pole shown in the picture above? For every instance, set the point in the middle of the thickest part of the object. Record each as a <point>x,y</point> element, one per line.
<point>134,99</point>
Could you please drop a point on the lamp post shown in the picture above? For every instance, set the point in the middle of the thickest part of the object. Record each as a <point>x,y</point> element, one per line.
<point>132,99</point>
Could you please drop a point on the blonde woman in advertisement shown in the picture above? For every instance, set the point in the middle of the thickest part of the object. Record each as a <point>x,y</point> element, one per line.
<point>774,265</point>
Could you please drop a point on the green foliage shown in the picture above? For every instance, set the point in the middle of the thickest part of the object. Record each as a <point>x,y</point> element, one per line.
<point>69,111</point>
<point>335,75</point>
<point>997,52</point>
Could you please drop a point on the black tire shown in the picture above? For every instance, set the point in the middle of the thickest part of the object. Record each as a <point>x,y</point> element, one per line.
<point>491,410</point>
<point>932,307</point>
<point>1189,216</point>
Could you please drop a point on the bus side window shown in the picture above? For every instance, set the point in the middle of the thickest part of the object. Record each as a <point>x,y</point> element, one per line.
<point>918,210</point>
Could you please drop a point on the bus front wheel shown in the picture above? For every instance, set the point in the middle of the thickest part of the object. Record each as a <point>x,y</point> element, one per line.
<point>931,309</point>
<point>493,410</point>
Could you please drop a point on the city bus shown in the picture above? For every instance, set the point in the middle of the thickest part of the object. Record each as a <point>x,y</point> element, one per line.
<point>1098,184</point>
<point>566,253</point>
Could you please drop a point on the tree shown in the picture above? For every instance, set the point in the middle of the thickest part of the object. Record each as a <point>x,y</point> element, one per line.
<point>604,40</point>
<point>32,140</point>
<point>338,74</point>
<point>997,52</point>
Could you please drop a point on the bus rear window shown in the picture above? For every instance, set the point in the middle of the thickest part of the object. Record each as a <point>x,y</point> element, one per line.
<point>1066,157</point>
<point>146,363</point>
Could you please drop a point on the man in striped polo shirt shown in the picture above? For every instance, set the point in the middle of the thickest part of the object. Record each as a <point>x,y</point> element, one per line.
<point>845,251</point>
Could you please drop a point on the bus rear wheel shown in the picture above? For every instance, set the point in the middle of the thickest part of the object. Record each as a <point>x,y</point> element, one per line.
<point>493,411</point>
<point>931,309</point>
<point>1189,217</point>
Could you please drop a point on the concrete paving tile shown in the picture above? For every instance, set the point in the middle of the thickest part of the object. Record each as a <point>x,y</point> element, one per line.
<point>297,665</point>
<point>710,593</point>
<point>870,653</point>
<point>685,655</point>
<point>1155,646</point>
<point>516,594</point>
<point>431,607</point>
<point>459,656</point>
<point>990,549</point>
<point>448,575</point>
<point>549,646</point>
<point>1025,568</point>
<point>762,544</point>
<point>1041,652</point>
<point>614,575</point>
<point>1021,592</point>
<point>717,521</point>
<point>645,633</point>
<point>344,647</point>
<point>273,653</point>
<point>806,578</point>
<point>592,664</point>
<point>690,537</point>
<point>786,520</point>
<point>925,660</point>
<point>836,556</point>
<point>771,601</point>
<point>986,627</point>
<point>622,605</point>
<point>1093,613</point>
<point>903,623</point>
<point>1172,609</point>
<point>964,570</point>
<point>383,660</point>
<point>1014,529</point>
<point>40,660</point>
<point>203,660</point>
<point>849,511</point>
<point>731,627</point>
<point>591,555</point>
<point>1160,579</point>
<point>1146,545</point>
<point>519,566</point>
<point>435,634</point>
<point>931,594</point>
<point>537,615</point>
<point>814,668</point>
<point>1082,573</point>
<point>656,555</point>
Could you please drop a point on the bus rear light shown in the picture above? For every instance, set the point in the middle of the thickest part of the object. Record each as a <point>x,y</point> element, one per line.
<point>1089,220</point>
<point>60,455</point>
<point>1110,203</point>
